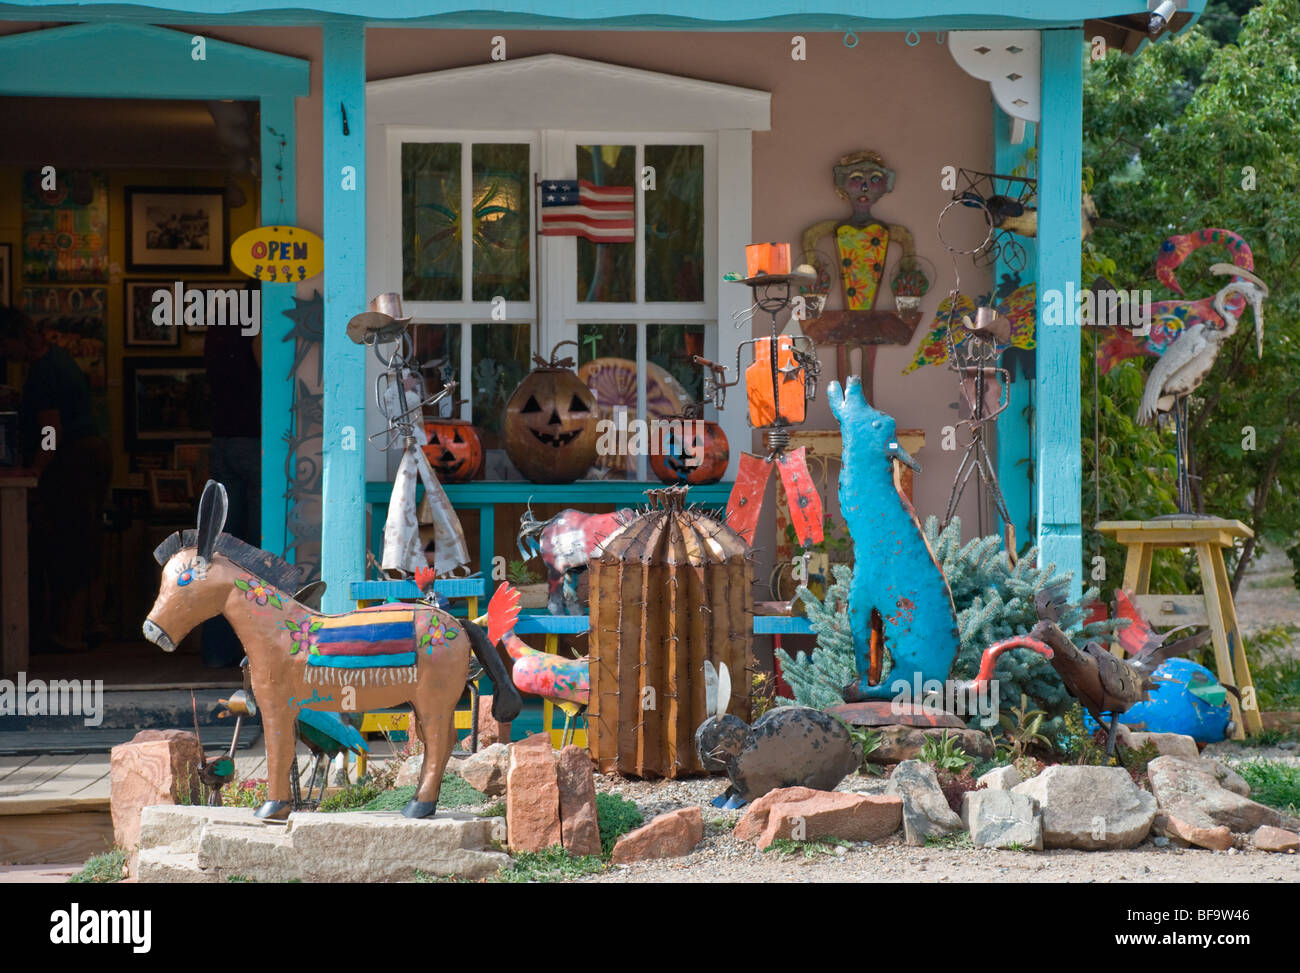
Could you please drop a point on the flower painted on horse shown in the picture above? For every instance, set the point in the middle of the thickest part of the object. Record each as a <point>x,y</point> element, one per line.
<point>258,591</point>
<point>303,633</point>
<point>438,634</point>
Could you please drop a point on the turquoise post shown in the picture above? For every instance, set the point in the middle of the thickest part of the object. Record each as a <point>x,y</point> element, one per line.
<point>343,510</point>
<point>1015,429</point>
<point>277,354</point>
<point>1060,172</point>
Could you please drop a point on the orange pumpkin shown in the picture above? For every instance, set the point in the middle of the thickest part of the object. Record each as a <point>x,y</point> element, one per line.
<point>550,426</point>
<point>689,450</point>
<point>790,380</point>
<point>455,450</point>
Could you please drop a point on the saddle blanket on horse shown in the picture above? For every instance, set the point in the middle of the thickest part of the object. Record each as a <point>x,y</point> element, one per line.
<point>370,637</point>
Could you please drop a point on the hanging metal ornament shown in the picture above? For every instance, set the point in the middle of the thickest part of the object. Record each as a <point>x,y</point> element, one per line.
<point>976,362</point>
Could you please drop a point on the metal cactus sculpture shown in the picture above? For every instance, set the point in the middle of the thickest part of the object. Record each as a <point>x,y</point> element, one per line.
<point>900,609</point>
<point>669,592</point>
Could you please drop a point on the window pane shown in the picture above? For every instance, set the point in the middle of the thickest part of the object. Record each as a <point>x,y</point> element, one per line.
<point>502,197</point>
<point>606,271</point>
<point>607,366</point>
<point>673,378</point>
<point>499,356</point>
<point>674,224</point>
<point>437,349</point>
<point>431,264</point>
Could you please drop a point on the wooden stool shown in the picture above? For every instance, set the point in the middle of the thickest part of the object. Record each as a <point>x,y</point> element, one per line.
<point>1213,607</point>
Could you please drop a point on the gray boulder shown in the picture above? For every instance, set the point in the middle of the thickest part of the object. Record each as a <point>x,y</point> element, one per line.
<point>925,810</point>
<point>1194,792</point>
<point>1090,808</point>
<point>1001,819</point>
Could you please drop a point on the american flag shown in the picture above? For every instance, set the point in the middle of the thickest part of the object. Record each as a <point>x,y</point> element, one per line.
<point>575,207</point>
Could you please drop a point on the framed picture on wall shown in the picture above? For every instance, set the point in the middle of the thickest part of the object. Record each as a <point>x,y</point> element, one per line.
<point>137,316</point>
<point>171,228</point>
<point>170,490</point>
<point>167,400</point>
<point>6,274</point>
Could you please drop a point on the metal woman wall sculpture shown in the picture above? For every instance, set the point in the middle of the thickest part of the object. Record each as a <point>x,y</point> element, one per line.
<point>861,248</point>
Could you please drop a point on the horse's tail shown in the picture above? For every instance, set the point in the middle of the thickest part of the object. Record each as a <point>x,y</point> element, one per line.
<point>506,701</point>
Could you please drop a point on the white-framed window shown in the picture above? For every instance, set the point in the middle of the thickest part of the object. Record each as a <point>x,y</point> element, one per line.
<point>638,311</point>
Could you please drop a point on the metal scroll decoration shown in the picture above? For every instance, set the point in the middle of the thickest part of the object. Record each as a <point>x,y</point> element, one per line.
<point>302,467</point>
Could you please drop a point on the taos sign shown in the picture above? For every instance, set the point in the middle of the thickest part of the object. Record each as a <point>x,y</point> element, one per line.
<point>279,254</point>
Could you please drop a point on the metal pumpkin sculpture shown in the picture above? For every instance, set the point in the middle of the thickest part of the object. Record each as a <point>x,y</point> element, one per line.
<point>688,449</point>
<point>551,422</point>
<point>455,450</point>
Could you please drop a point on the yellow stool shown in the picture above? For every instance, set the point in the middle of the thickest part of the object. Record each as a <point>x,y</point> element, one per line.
<point>1213,607</point>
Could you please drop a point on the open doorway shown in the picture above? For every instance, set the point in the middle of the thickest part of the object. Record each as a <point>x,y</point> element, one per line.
<point>106,205</point>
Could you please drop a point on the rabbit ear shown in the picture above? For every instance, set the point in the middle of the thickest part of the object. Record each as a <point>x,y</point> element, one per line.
<point>710,687</point>
<point>724,690</point>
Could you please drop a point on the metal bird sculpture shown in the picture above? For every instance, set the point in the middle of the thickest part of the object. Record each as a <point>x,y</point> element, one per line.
<point>326,735</point>
<point>1100,681</point>
<point>1171,319</point>
<point>1186,363</point>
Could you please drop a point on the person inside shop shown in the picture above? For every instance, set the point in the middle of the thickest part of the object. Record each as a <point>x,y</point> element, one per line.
<point>61,441</point>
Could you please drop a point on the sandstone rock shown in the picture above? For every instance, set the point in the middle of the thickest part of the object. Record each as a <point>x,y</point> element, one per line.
<point>1268,838</point>
<point>412,769</point>
<point>669,835</point>
<point>1000,778</point>
<point>486,770</point>
<point>899,743</point>
<point>1166,744</point>
<point>925,809</point>
<point>1191,790</point>
<point>489,730</point>
<point>1090,807</point>
<point>532,795</point>
<point>1001,818</point>
<point>1181,833</point>
<point>834,814</point>
<point>754,821</point>
<point>154,767</point>
<point>579,829</point>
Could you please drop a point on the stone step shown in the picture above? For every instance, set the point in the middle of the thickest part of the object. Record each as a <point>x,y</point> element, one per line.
<point>353,846</point>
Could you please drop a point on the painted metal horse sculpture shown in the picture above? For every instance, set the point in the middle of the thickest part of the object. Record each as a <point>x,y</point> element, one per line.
<point>301,659</point>
<point>899,605</point>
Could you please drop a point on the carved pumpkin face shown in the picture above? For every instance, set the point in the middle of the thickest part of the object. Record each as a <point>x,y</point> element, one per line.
<point>454,451</point>
<point>551,426</point>
<point>695,452</point>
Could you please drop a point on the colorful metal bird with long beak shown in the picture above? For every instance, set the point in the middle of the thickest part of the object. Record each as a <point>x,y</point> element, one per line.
<point>1186,363</point>
<point>1100,681</point>
<point>1170,319</point>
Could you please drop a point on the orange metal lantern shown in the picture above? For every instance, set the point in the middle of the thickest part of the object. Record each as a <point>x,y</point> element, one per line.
<point>455,450</point>
<point>690,450</point>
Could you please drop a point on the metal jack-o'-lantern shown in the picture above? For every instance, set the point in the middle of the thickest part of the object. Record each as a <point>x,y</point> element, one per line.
<point>778,384</point>
<point>455,450</point>
<point>689,449</point>
<point>551,422</point>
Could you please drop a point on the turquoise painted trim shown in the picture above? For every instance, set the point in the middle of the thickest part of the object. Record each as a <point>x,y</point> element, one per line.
<point>343,513</point>
<point>481,493</point>
<point>362,661</point>
<point>553,625</point>
<point>613,14</point>
<point>1015,431</point>
<point>782,625</point>
<point>1060,168</point>
<point>393,590</point>
<point>116,60</point>
<point>277,354</point>
<point>125,60</point>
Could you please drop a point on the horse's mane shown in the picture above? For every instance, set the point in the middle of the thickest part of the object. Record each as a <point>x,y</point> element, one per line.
<point>267,566</point>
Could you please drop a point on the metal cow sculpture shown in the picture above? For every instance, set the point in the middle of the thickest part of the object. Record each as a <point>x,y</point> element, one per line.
<point>302,659</point>
<point>900,607</point>
<point>566,543</point>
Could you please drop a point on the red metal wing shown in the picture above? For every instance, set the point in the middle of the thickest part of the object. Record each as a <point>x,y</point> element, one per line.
<point>805,504</point>
<point>746,500</point>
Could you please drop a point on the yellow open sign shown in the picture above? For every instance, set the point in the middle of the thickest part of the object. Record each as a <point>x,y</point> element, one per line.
<point>279,254</point>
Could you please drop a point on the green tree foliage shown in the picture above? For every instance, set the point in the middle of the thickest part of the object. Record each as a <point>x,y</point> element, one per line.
<point>994,601</point>
<point>1173,140</point>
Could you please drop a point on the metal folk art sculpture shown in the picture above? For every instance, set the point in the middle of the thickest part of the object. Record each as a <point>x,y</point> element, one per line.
<point>1186,336</point>
<point>900,608</point>
<point>301,659</point>
<point>779,383</point>
<point>567,542</point>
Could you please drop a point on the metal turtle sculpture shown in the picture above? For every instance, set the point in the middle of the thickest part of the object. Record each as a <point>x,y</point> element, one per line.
<point>786,747</point>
